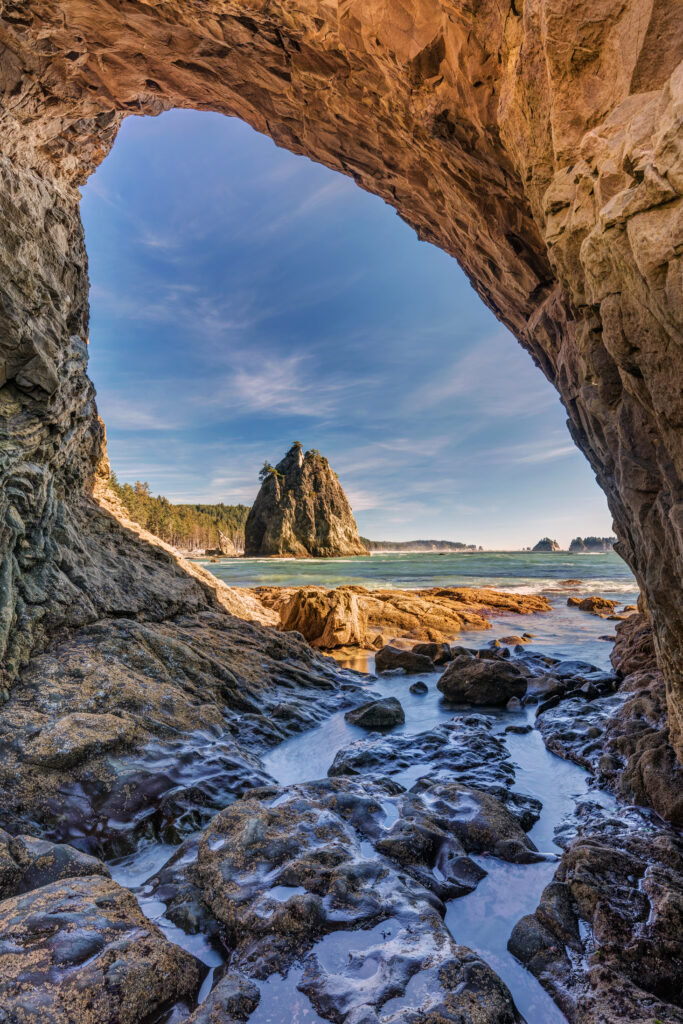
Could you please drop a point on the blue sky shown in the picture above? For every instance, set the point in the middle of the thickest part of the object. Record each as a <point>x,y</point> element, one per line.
<point>243,297</point>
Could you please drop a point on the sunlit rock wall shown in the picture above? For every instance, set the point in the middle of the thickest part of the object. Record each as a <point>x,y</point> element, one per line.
<point>537,142</point>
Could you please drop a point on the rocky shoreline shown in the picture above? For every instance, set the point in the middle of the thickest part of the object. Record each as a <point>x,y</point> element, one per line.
<point>129,736</point>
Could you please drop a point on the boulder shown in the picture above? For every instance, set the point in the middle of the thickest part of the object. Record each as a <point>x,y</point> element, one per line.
<point>440,654</point>
<point>419,688</point>
<point>326,618</point>
<point>481,682</point>
<point>391,658</point>
<point>28,863</point>
<point>231,1001</point>
<point>82,950</point>
<point>593,604</point>
<point>377,714</point>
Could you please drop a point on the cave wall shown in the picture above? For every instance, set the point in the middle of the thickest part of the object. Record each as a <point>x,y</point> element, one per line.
<point>537,142</point>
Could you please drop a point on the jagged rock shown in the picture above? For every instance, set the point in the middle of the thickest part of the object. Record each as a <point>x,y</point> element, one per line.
<point>615,906</point>
<point>355,616</point>
<point>301,510</point>
<point>80,949</point>
<point>377,714</point>
<point>596,605</point>
<point>28,863</point>
<point>473,681</point>
<point>391,658</point>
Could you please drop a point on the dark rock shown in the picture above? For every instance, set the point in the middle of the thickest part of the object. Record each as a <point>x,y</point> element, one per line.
<point>232,1000</point>
<point>81,950</point>
<point>377,714</point>
<point>480,821</point>
<point>477,682</point>
<point>419,687</point>
<point>440,654</point>
<point>391,658</point>
<point>464,751</point>
<point>28,863</point>
<point>616,904</point>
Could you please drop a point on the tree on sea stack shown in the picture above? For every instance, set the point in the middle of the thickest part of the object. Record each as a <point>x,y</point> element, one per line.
<point>301,511</point>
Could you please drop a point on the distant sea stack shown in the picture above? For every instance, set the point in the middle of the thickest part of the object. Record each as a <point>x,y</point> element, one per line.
<point>546,544</point>
<point>301,511</point>
<point>592,544</point>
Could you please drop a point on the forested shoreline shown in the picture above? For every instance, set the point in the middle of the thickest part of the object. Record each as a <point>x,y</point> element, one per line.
<point>192,527</point>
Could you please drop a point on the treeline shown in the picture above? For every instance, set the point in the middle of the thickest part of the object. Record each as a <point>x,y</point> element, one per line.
<point>190,527</point>
<point>416,545</point>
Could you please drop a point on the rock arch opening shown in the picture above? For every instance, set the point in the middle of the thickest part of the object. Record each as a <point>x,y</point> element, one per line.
<point>544,157</point>
<point>251,296</point>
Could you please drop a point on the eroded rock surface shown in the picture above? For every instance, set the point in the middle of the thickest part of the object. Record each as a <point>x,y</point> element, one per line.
<point>606,938</point>
<point>622,738</point>
<point>301,511</point>
<point>155,725</point>
<point>80,949</point>
<point>356,871</point>
<point>354,616</point>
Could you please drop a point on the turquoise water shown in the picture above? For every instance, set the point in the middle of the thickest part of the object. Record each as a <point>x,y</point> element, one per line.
<point>511,570</point>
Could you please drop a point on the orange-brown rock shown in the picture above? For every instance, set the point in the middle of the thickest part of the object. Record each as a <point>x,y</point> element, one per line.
<point>354,616</point>
<point>538,143</point>
<point>596,605</point>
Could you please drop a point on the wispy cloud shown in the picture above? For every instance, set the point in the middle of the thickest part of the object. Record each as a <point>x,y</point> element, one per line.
<point>492,377</point>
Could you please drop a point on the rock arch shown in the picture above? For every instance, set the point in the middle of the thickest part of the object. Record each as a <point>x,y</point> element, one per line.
<point>538,142</point>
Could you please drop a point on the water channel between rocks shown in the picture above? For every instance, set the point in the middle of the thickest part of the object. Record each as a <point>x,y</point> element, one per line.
<point>481,920</point>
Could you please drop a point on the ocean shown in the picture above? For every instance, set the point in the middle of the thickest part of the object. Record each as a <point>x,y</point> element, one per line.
<point>564,632</point>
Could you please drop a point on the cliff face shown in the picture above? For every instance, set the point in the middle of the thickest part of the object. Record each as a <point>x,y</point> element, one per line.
<point>537,142</point>
<point>301,511</point>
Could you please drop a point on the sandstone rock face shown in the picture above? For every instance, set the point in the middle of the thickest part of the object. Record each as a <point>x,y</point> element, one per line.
<point>301,511</point>
<point>539,144</point>
<point>596,605</point>
<point>355,616</point>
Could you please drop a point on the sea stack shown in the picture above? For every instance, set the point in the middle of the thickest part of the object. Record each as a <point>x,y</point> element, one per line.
<point>546,544</point>
<point>301,511</point>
